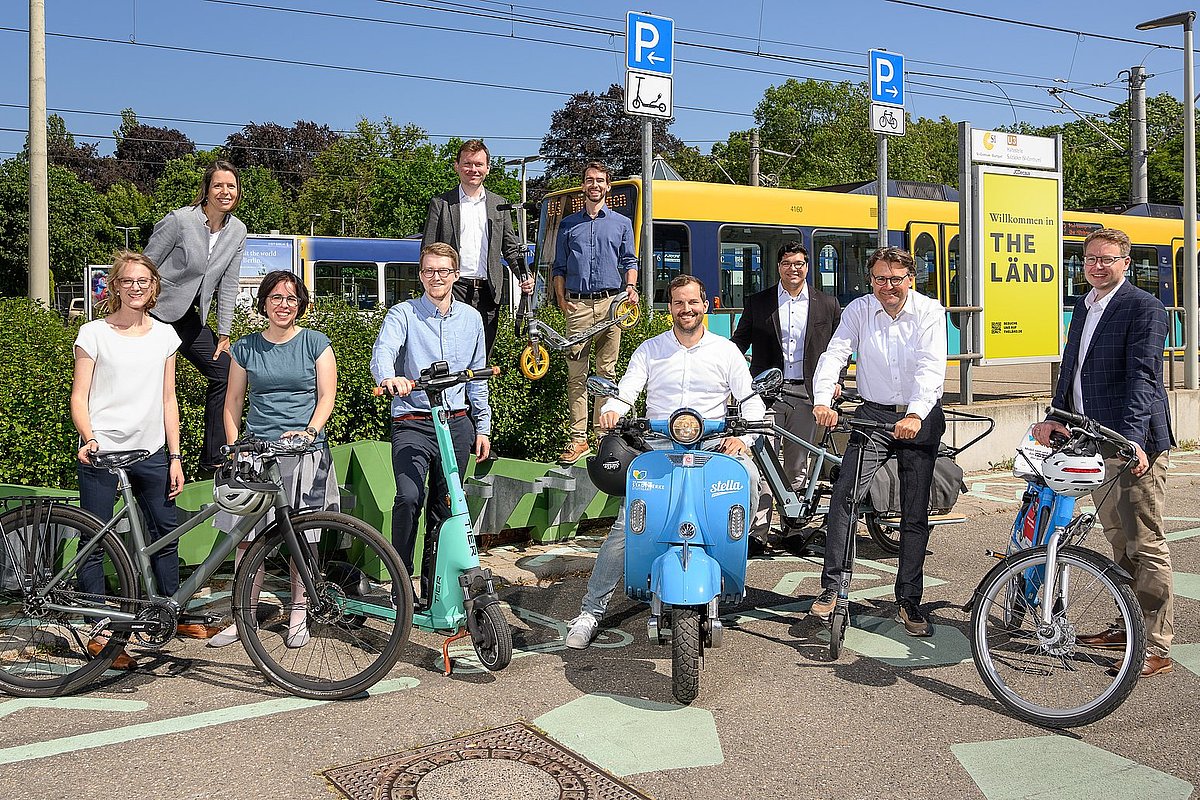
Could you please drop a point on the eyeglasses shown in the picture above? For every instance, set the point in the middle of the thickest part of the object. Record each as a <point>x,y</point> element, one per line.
<point>888,280</point>
<point>1108,261</point>
<point>793,264</point>
<point>289,300</point>
<point>129,283</point>
<point>441,273</point>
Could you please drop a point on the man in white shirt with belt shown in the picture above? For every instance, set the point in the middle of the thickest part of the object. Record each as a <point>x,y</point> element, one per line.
<point>685,367</point>
<point>900,338</point>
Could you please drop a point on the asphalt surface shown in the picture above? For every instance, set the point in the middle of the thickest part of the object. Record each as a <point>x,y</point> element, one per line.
<point>776,718</point>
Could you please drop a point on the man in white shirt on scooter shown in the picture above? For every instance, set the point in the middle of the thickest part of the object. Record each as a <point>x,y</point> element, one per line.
<point>685,367</point>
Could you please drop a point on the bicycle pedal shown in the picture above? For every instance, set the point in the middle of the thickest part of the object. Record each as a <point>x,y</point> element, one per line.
<point>200,619</point>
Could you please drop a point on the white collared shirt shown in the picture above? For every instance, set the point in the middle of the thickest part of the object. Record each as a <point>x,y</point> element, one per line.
<point>472,235</point>
<point>701,377</point>
<point>1095,310</point>
<point>901,361</point>
<point>793,325</point>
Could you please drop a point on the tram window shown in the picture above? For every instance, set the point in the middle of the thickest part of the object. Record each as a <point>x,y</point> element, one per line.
<point>842,262</point>
<point>356,283</point>
<point>1075,283</point>
<point>750,260</point>
<point>952,291</point>
<point>1143,268</point>
<point>400,283</point>
<point>672,256</point>
<point>1179,300</point>
<point>925,254</point>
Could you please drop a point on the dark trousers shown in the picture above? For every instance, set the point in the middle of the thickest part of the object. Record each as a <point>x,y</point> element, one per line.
<point>481,298</point>
<point>916,458</point>
<point>198,345</point>
<point>150,480</point>
<point>415,458</point>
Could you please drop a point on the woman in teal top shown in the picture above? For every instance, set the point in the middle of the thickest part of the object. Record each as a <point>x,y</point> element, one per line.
<point>291,377</point>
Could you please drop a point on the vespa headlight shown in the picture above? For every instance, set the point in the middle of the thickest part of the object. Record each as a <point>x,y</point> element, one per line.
<point>686,426</point>
<point>737,521</point>
<point>637,516</point>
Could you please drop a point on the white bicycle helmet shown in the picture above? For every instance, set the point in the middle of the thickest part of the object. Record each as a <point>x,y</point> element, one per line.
<point>1074,471</point>
<point>239,488</point>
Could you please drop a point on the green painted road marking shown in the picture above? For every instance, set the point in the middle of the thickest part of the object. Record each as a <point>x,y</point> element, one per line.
<point>1061,768</point>
<point>72,704</point>
<point>884,639</point>
<point>191,722</point>
<point>1186,584</point>
<point>1187,656</point>
<point>1175,536</point>
<point>613,731</point>
<point>1182,519</point>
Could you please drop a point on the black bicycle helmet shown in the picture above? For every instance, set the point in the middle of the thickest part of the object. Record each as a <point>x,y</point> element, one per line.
<point>610,465</point>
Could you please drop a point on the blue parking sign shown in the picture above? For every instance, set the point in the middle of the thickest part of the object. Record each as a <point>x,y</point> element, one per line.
<point>649,43</point>
<point>886,77</point>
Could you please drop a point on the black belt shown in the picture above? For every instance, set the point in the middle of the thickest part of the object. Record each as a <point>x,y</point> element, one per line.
<point>794,381</point>
<point>423,415</point>
<point>895,409</point>
<point>476,282</point>
<point>600,295</point>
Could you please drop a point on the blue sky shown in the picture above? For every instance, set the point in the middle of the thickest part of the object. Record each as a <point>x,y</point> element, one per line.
<point>445,65</point>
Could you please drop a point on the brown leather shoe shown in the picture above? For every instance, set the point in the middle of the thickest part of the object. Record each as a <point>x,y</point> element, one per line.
<point>197,631</point>
<point>123,661</point>
<point>1111,639</point>
<point>576,449</point>
<point>1157,665</point>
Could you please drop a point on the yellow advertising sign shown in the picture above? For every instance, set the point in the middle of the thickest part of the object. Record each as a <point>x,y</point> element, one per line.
<point>1020,228</point>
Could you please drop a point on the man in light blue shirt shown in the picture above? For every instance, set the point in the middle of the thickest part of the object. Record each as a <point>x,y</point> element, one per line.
<point>416,333</point>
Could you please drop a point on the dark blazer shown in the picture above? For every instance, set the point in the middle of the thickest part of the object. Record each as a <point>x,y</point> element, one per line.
<point>759,329</point>
<point>179,248</point>
<point>443,222</point>
<point>1123,369</point>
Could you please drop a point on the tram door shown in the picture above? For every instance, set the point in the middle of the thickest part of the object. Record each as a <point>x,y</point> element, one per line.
<point>934,247</point>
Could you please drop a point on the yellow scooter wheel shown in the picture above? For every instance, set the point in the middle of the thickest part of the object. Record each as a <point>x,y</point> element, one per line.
<point>535,363</point>
<point>628,313</point>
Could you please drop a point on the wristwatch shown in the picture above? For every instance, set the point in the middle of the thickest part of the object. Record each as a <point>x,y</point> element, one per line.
<point>175,457</point>
<point>311,431</point>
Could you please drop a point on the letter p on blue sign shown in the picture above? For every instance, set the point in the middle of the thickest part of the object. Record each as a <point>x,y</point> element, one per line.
<point>887,77</point>
<point>649,43</point>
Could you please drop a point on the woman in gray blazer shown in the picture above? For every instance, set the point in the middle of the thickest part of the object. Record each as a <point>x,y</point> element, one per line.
<point>198,250</point>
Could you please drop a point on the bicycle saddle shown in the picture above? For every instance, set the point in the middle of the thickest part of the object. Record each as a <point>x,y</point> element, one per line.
<point>117,459</point>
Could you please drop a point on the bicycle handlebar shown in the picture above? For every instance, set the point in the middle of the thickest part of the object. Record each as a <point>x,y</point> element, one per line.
<point>1088,426</point>
<point>440,381</point>
<point>288,445</point>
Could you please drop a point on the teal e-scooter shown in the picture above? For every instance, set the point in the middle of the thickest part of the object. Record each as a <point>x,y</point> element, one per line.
<point>458,597</point>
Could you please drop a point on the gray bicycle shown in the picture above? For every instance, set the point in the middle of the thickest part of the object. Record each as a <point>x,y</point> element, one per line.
<point>355,601</point>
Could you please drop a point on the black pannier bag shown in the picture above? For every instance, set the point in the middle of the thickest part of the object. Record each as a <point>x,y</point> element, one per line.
<point>943,494</point>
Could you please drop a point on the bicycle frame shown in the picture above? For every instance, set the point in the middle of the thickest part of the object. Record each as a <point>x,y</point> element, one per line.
<point>142,553</point>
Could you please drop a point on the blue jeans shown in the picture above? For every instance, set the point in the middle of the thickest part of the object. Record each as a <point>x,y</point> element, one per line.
<point>609,569</point>
<point>150,480</point>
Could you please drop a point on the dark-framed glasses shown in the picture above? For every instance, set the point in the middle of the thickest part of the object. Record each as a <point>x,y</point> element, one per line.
<point>801,264</point>
<point>441,273</point>
<point>141,283</point>
<point>289,300</point>
<point>1107,261</point>
<point>888,280</point>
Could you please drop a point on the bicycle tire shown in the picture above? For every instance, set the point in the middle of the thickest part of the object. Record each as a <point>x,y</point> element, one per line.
<point>1047,677</point>
<point>344,650</point>
<point>494,648</point>
<point>685,654</point>
<point>886,538</point>
<point>45,654</point>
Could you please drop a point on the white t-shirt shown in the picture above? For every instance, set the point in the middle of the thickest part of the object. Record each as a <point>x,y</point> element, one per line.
<point>125,405</point>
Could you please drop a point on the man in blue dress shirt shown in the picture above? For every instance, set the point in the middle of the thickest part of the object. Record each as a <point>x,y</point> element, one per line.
<point>595,265</point>
<point>416,333</point>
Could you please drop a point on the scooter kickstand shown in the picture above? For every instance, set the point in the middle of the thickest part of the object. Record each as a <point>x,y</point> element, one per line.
<point>462,634</point>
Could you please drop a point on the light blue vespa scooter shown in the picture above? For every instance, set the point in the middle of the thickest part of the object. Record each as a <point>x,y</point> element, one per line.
<point>687,516</point>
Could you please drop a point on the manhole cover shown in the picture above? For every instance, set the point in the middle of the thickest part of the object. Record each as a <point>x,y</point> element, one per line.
<point>515,761</point>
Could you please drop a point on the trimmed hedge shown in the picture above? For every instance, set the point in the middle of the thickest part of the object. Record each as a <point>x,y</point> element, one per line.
<point>38,442</point>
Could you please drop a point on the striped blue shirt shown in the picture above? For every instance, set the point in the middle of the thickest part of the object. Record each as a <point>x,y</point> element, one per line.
<point>414,335</point>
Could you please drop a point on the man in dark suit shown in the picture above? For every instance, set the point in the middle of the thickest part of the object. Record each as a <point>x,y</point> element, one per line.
<point>470,220</point>
<point>789,326</point>
<point>1112,373</point>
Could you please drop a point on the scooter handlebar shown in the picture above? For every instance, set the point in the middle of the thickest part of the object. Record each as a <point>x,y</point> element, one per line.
<point>439,380</point>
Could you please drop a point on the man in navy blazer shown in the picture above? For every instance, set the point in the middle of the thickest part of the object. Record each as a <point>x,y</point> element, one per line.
<point>1112,373</point>
<point>470,220</point>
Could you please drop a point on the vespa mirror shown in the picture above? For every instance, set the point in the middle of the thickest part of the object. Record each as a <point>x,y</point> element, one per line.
<point>598,386</point>
<point>767,382</point>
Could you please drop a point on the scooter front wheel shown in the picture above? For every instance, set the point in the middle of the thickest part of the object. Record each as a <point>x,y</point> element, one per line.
<point>535,362</point>
<point>837,632</point>
<point>494,644</point>
<point>685,654</point>
<point>628,313</point>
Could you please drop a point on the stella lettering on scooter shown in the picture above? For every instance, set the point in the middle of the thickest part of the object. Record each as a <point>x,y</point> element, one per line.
<point>724,487</point>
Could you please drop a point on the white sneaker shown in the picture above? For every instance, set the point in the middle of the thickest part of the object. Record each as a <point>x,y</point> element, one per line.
<point>224,638</point>
<point>583,629</point>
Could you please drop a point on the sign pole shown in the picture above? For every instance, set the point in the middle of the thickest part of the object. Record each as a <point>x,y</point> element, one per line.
<point>967,254</point>
<point>881,190</point>
<point>647,268</point>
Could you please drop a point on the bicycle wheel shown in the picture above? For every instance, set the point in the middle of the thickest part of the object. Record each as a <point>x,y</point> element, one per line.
<point>685,654</point>
<point>341,642</point>
<point>43,652</point>
<point>886,537</point>
<point>494,645</point>
<point>1042,673</point>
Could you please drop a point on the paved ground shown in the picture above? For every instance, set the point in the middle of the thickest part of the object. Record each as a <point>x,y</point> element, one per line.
<point>894,717</point>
